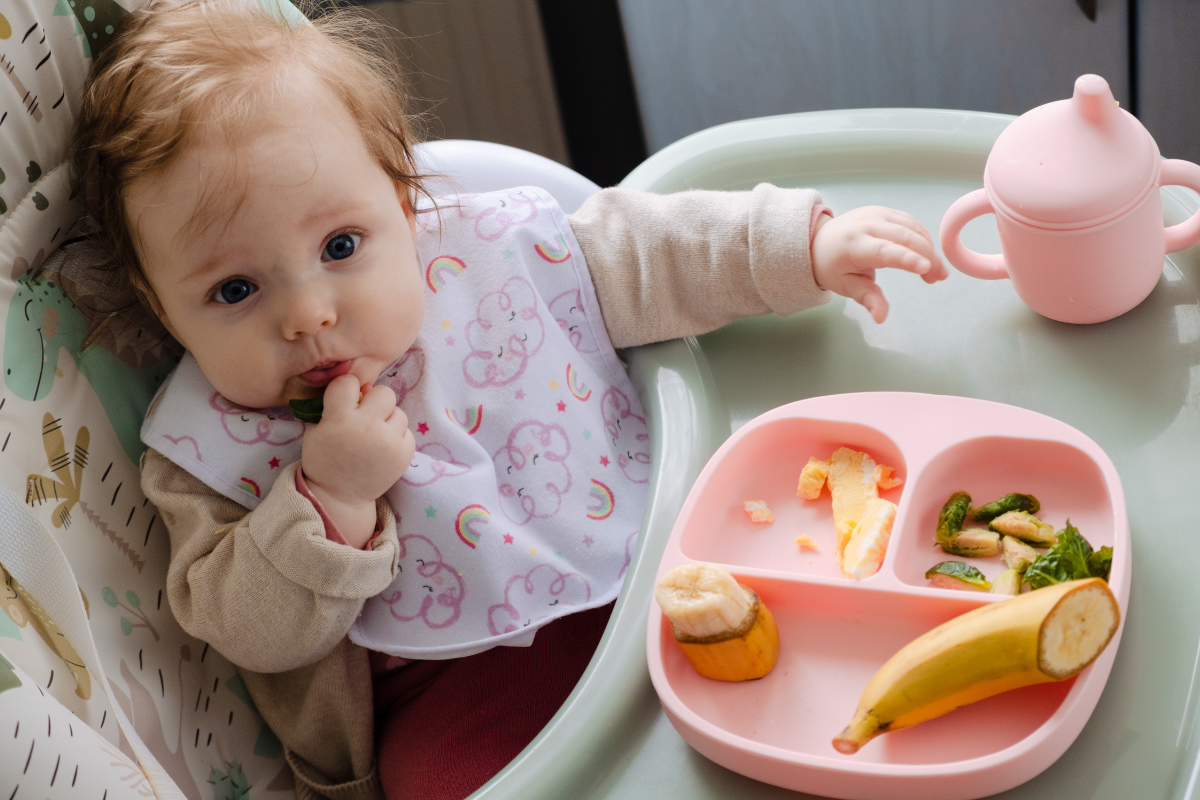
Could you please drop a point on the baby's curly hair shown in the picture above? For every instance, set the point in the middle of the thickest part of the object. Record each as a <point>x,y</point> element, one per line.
<point>177,68</point>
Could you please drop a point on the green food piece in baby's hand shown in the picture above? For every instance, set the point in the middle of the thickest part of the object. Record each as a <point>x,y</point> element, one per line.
<point>307,410</point>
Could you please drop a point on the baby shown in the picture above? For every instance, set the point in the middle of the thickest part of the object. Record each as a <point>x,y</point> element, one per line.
<point>479,444</point>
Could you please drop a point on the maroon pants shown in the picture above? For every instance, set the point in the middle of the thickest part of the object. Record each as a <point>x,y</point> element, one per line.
<point>444,728</point>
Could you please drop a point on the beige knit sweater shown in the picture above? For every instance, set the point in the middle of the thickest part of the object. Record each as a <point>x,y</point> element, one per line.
<point>272,594</point>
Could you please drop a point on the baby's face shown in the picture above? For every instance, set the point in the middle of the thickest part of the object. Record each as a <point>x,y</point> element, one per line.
<point>312,275</point>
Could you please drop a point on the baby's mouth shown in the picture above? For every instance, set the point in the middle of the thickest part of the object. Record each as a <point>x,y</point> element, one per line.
<point>320,375</point>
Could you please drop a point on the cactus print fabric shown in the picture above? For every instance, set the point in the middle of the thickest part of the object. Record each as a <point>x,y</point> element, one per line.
<point>69,445</point>
<point>525,495</point>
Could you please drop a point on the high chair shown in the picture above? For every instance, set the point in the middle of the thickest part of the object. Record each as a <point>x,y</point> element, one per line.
<point>85,556</point>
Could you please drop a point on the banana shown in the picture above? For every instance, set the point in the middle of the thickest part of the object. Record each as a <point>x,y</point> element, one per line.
<point>724,629</point>
<point>868,542</point>
<point>1047,635</point>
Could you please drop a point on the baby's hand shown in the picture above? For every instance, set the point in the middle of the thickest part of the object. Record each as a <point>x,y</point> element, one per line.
<point>355,453</point>
<point>847,250</point>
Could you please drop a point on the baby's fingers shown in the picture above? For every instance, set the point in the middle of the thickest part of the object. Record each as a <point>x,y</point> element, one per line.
<point>873,252</point>
<point>866,292</point>
<point>341,395</point>
<point>379,401</point>
<point>914,239</point>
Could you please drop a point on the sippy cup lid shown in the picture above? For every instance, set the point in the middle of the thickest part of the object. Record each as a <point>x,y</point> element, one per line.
<point>1072,163</point>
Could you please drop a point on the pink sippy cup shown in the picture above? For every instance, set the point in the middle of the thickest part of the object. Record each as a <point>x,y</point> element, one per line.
<point>1074,187</point>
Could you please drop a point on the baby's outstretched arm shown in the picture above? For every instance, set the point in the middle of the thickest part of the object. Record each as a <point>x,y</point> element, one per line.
<point>358,450</point>
<point>683,264</point>
<point>846,251</point>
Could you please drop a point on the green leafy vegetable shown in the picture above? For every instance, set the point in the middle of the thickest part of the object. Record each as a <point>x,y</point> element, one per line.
<point>952,516</point>
<point>307,410</point>
<point>1010,502</point>
<point>1100,562</point>
<point>1066,561</point>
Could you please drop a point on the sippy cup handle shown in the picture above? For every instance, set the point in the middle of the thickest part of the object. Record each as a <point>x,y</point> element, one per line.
<point>1176,172</point>
<point>977,265</point>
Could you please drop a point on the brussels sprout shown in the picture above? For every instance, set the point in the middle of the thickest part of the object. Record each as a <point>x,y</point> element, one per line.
<point>1016,554</point>
<point>1007,582</point>
<point>973,543</point>
<point>1010,502</point>
<point>307,410</point>
<point>957,575</point>
<point>1066,561</point>
<point>952,516</point>
<point>1025,527</point>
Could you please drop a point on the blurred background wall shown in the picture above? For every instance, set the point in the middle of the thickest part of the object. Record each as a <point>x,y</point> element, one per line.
<point>600,84</point>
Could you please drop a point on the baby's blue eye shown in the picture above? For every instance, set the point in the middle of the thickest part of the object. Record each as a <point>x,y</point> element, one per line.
<point>235,291</point>
<point>342,246</point>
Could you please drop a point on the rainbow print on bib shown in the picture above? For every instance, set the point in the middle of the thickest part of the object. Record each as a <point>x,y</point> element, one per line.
<point>603,501</point>
<point>440,269</point>
<point>250,486</point>
<point>576,385</point>
<point>472,418</point>
<point>554,254</point>
<point>468,522</point>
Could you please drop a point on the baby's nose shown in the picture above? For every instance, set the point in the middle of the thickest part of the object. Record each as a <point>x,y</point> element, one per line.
<point>308,309</point>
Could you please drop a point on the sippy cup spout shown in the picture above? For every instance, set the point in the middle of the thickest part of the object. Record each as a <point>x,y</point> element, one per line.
<point>1093,99</point>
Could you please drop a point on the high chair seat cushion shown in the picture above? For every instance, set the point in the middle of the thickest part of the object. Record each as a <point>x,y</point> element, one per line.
<point>69,425</point>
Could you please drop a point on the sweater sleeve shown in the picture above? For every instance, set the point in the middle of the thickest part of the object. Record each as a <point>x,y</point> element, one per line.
<point>683,264</point>
<point>266,588</point>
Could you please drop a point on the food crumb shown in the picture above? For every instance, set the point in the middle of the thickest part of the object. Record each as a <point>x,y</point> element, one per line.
<point>758,511</point>
<point>806,542</point>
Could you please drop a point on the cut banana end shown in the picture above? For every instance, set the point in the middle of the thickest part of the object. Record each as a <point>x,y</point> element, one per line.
<point>742,655</point>
<point>724,629</point>
<point>1050,634</point>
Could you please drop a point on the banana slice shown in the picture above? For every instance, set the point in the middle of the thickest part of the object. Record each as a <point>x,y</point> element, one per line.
<point>724,629</point>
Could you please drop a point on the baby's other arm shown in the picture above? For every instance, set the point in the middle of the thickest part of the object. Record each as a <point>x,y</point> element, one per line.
<point>683,264</point>
<point>847,250</point>
<point>266,588</point>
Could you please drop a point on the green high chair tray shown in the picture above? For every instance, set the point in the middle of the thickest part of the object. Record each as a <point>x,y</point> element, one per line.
<point>1131,384</point>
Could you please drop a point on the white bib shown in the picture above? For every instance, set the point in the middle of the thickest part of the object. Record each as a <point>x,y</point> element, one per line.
<point>525,496</point>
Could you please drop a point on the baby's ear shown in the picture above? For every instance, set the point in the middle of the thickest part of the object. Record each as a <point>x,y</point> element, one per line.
<point>403,192</point>
<point>149,300</point>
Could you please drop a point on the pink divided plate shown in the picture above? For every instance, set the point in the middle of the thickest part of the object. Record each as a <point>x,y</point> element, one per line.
<point>836,632</point>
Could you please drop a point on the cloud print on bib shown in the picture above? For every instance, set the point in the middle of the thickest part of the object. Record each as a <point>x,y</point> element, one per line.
<point>532,472</point>
<point>403,376</point>
<point>251,427</point>
<point>535,596</point>
<point>506,332</point>
<point>430,590</point>
<point>497,213</point>
<point>431,463</point>
<point>628,435</point>
<point>567,310</point>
